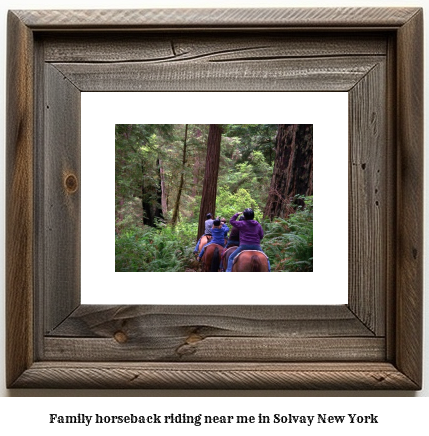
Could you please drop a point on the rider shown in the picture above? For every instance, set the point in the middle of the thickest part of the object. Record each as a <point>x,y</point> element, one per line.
<point>225,228</point>
<point>232,241</point>
<point>217,236</point>
<point>208,224</point>
<point>251,234</point>
<point>234,236</point>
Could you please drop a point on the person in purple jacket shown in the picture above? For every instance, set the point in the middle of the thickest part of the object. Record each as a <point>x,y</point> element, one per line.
<point>250,233</point>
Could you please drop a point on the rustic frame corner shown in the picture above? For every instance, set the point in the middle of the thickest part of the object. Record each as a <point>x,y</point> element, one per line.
<point>373,342</point>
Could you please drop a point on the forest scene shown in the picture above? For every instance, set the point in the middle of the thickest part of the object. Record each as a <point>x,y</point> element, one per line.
<point>169,177</point>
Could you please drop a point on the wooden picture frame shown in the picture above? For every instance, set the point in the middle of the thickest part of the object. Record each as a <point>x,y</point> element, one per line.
<point>373,342</point>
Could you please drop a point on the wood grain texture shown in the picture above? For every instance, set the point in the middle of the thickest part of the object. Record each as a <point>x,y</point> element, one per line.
<point>249,376</point>
<point>193,348</point>
<point>209,18</point>
<point>189,347</point>
<point>39,200</point>
<point>391,192</point>
<point>368,201</point>
<point>302,74</point>
<point>99,321</point>
<point>61,207</point>
<point>178,47</point>
<point>19,200</point>
<point>213,333</point>
<point>410,198</point>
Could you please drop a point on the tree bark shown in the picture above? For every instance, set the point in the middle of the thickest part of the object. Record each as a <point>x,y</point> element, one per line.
<point>182,178</point>
<point>159,213</point>
<point>293,168</point>
<point>151,200</point>
<point>148,216</point>
<point>208,198</point>
<point>164,205</point>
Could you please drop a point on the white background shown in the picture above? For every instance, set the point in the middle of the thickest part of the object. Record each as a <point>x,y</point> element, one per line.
<point>20,414</point>
<point>100,112</point>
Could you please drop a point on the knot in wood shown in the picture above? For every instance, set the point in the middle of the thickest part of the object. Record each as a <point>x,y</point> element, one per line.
<point>193,338</point>
<point>120,337</point>
<point>71,183</point>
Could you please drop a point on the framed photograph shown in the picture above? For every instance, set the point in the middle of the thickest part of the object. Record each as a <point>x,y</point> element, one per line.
<point>245,174</point>
<point>372,341</point>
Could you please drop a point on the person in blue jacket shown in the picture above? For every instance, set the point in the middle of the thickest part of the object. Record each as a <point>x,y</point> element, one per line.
<point>225,228</point>
<point>217,237</point>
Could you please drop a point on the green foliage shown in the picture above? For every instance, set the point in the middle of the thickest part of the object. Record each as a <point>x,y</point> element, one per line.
<point>136,173</point>
<point>161,249</point>
<point>248,152</point>
<point>144,151</point>
<point>227,203</point>
<point>253,137</point>
<point>288,243</point>
<point>253,175</point>
<point>150,161</point>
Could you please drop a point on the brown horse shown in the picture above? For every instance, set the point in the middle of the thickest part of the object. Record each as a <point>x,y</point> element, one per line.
<point>211,258</point>
<point>251,261</point>
<point>203,241</point>
<point>225,256</point>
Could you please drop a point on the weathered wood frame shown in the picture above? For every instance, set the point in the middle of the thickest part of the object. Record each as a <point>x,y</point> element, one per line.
<point>374,342</point>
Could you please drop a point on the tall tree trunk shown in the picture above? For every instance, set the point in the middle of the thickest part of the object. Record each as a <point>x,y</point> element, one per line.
<point>151,200</point>
<point>158,212</point>
<point>182,177</point>
<point>164,205</point>
<point>293,168</point>
<point>148,218</point>
<point>208,198</point>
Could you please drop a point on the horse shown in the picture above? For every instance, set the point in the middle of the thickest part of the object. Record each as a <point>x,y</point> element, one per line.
<point>211,258</point>
<point>250,261</point>
<point>203,241</point>
<point>225,256</point>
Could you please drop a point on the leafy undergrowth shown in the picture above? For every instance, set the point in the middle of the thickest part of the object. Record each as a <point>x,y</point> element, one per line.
<point>161,249</point>
<point>288,244</point>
